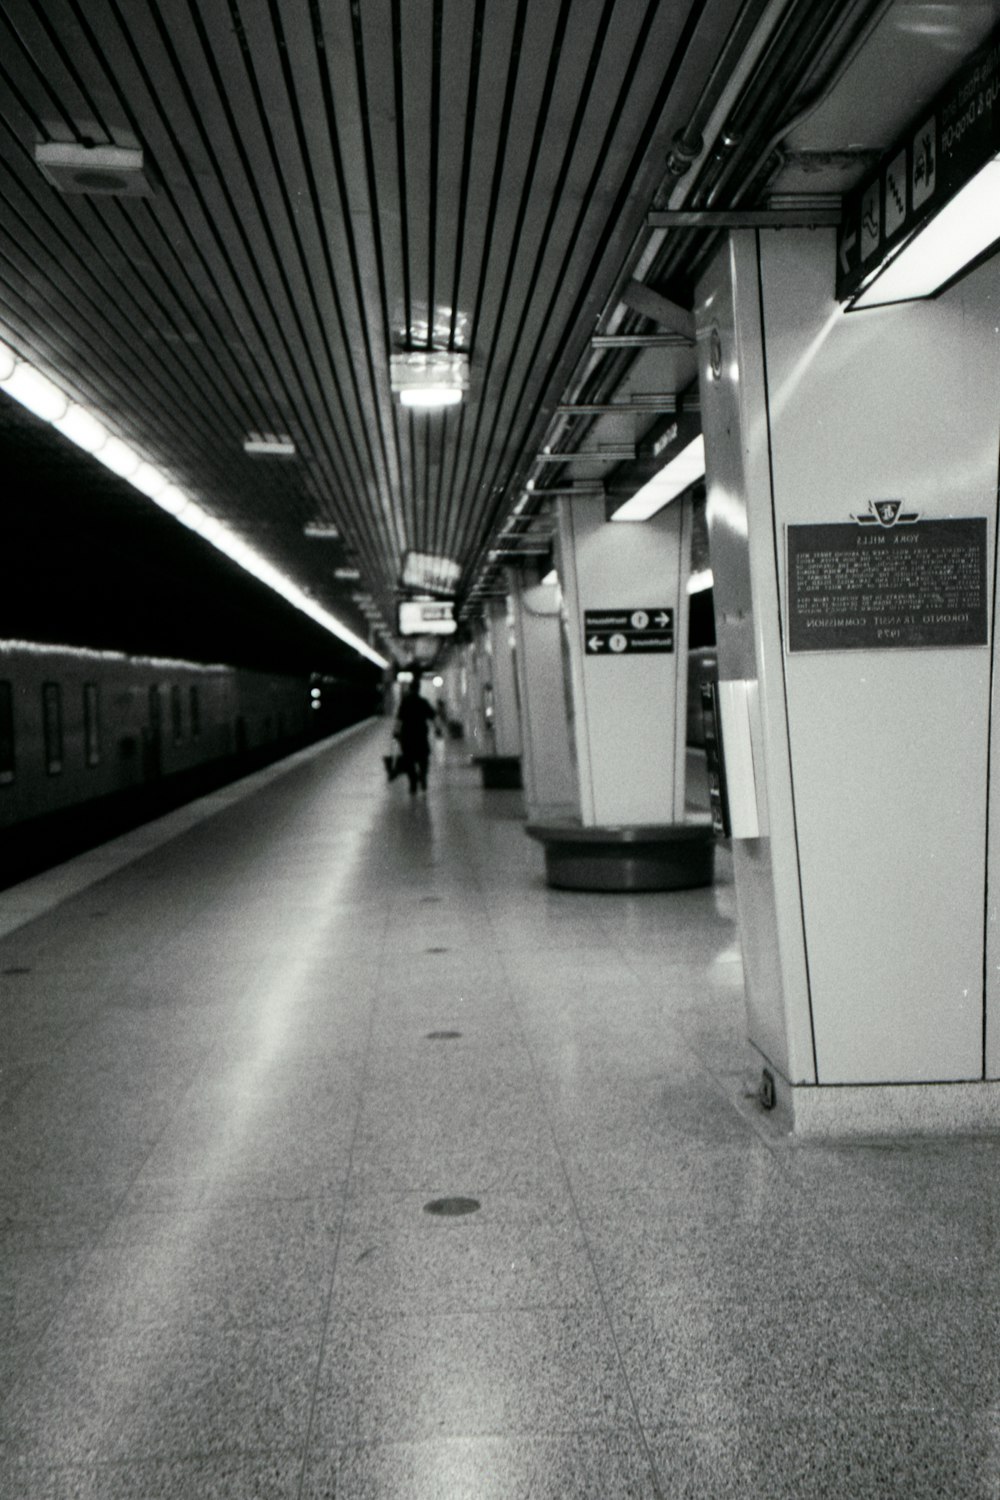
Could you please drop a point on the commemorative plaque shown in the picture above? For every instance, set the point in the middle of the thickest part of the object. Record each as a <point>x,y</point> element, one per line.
<point>885,581</point>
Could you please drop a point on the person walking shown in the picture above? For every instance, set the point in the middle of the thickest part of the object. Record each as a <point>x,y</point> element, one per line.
<point>413,721</point>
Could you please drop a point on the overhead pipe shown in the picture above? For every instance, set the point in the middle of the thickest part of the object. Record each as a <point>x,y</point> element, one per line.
<point>738,129</point>
<point>738,55</point>
<point>714,123</point>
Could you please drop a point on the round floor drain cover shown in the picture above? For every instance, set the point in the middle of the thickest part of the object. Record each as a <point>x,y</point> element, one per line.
<point>435,950</point>
<point>443,1036</point>
<point>452,1207</point>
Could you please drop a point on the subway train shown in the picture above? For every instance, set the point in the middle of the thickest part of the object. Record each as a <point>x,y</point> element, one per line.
<point>93,742</point>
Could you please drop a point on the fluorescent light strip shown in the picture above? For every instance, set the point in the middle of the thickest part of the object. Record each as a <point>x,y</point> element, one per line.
<point>278,445</point>
<point>41,396</point>
<point>430,396</point>
<point>966,226</point>
<point>699,582</point>
<point>675,477</point>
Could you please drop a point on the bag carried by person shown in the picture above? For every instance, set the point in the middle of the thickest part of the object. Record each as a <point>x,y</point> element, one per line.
<point>394,763</point>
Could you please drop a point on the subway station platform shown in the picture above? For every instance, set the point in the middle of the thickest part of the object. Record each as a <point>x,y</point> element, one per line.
<point>244,1053</point>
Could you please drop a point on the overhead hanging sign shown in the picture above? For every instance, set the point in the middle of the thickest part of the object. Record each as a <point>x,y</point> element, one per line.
<point>640,631</point>
<point>943,148</point>
<point>887,579</point>
<point>426,617</point>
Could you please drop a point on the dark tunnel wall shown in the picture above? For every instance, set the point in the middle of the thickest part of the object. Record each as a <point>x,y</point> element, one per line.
<point>88,561</point>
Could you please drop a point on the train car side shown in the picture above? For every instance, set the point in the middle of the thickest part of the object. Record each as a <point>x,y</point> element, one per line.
<point>94,741</point>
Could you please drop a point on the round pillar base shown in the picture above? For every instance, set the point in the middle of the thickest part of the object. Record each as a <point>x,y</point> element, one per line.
<point>648,857</point>
<point>499,772</point>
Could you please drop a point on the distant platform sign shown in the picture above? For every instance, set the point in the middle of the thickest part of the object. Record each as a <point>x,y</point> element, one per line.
<point>642,630</point>
<point>868,587</point>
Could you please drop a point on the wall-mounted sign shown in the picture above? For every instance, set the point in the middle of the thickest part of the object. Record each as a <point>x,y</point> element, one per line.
<point>628,632</point>
<point>426,617</point>
<point>938,154</point>
<point>887,580</point>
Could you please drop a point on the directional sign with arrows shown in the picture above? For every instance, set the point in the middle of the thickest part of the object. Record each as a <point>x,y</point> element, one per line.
<point>628,632</point>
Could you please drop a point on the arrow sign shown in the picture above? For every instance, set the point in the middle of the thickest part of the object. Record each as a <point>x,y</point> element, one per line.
<point>847,244</point>
<point>642,630</point>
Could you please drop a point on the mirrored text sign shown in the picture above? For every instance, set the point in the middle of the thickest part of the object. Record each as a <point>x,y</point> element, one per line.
<point>865,587</point>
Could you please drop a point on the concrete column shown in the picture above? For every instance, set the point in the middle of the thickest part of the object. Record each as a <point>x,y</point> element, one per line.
<point>858,772</point>
<point>547,763</point>
<point>629,702</point>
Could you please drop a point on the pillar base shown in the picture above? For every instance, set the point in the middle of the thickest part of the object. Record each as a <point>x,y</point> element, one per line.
<point>648,857</point>
<point>882,1110</point>
<point>500,772</point>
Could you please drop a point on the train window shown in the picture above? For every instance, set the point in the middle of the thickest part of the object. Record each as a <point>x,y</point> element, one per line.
<point>52,723</point>
<point>194,703</point>
<point>176,720</point>
<point>91,724</point>
<point>6,733</point>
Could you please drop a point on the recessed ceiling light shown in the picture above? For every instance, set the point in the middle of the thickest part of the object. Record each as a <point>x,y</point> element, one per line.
<point>430,570</point>
<point>116,171</point>
<point>429,377</point>
<point>274,444</point>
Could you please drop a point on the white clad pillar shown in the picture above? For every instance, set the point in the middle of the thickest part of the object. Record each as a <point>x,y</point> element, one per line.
<point>625,610</point>
<point>547,765</point>
<point>857,688</point>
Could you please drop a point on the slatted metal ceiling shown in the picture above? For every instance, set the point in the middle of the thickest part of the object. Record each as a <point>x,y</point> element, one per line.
<point>334,182</point>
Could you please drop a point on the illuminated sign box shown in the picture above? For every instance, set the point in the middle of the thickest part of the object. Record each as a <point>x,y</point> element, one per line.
<point>426,617</point>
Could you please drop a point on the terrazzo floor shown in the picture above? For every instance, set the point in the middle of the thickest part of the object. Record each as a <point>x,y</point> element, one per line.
<point>237,1069</point>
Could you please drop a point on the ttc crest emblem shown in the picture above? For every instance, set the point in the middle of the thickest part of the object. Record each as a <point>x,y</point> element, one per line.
<point>886,513</point>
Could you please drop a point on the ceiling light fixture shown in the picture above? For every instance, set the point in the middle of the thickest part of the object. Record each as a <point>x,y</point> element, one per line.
<point>678,475</point>
<point>110,170</point>
<point>273,444</point>
<point>118,457</point>
<point>430,572</point>
<point>929,208</point>
<point>33,390</point>
<point>429,378</point>
<point>82,428</point>
<point>942,246</point>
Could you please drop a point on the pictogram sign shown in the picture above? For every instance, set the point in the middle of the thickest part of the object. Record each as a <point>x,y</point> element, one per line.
<point>628,632</point>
